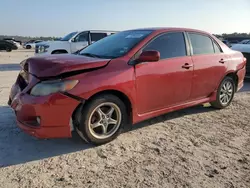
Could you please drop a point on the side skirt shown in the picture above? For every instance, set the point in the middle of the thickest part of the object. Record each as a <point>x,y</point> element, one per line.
<point>142,117</point>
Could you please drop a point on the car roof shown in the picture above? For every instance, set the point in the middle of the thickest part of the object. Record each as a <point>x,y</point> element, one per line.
<point>162,29</point>
<point>97,31</point>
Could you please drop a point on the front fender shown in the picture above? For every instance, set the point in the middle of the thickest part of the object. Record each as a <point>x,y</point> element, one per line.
<point>58,45</point>
<point>116,76</point>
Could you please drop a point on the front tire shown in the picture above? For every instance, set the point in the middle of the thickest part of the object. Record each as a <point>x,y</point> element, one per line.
<point>225,93</point>
<point>102,119</point>
<point>28,47</point>
<point>8,49</point>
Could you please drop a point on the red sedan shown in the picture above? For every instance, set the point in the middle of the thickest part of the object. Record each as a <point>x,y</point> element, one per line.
<point>123,79</point>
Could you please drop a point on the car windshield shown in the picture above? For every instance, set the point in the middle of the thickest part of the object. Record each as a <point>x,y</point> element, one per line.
<point>115,45</point>
<point>68,36</point>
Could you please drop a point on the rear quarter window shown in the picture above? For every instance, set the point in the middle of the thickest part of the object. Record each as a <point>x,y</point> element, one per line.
<point>217,48</point>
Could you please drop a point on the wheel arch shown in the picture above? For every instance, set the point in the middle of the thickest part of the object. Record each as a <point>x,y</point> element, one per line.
<point>28,46</point>
<point>234,76</point>
<point>60,50</point>
<point>121,95</point>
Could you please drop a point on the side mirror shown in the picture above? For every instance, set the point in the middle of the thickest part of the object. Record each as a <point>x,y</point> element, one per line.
<point>148,56</point>
<point>73,40</point>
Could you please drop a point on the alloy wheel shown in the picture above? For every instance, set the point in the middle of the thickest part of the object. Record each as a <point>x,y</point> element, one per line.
<point>104,120</point>
<point>226,92</point>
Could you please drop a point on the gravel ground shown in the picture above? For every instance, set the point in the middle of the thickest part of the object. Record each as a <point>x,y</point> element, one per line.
<point>195,147</point>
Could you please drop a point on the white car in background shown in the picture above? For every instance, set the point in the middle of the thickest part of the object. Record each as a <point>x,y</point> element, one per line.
<point>71,43</point>
<point>245,47</point>
<point>31,44</point>
<point>246,41</point>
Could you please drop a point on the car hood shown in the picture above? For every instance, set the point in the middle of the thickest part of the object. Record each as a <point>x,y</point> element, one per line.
<point>241,47</point>
<point>55,65</point>
<point>52,43</point>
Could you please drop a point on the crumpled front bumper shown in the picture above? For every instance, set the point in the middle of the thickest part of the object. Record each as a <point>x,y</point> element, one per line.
<point>44,116</point>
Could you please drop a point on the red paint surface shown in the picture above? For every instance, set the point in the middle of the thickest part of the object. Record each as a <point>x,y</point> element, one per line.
<point>153,88</point>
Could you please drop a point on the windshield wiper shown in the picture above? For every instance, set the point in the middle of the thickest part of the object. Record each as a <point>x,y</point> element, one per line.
<point>97,56</point>
<point>90,55</point>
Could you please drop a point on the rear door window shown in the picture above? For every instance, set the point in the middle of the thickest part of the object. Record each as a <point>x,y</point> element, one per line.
<point>97,36</point>
<point>201,44</point>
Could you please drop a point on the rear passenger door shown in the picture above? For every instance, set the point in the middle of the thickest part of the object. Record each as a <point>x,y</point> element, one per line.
<point>209,65</point>
<point>97,36</point>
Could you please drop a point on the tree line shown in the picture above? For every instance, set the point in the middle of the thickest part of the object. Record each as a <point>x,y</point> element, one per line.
<point>25,39</point>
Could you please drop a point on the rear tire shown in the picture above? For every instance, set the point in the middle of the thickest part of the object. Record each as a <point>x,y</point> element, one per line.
<point>102,119</point>
<point>225,93</point>
<point>8,49</point>
<point>28,47</point>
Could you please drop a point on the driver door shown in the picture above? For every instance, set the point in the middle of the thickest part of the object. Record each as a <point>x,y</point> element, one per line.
<point>80,41</point>
<point>167,82</point>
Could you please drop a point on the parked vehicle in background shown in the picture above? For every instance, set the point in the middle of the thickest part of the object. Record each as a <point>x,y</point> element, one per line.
<point>31,44</point>
<point>30,41</point>
<point>72,42</point>
<point>226,42</point>
<point>235,39</point>
<point>245,50</point>
<point>246,41</point>
<point>16,42</point>
<point>125,78</point>
<point>7,45</point>
<point>233,42</point>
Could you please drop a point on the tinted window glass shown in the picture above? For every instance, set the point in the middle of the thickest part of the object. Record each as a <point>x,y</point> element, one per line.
<point>82,37</point>
<point>216,48</point>
<point>97,36</point>
<point>169,45</point>
<point>201,44</point>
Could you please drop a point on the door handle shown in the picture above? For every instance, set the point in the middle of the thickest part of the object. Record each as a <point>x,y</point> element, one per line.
<point>222,61</point>
<point>186,66</point>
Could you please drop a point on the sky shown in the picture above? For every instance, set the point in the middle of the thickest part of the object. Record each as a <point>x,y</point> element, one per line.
<point>60,17</point>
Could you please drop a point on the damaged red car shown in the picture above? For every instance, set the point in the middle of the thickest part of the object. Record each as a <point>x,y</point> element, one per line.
<point>123,79</point>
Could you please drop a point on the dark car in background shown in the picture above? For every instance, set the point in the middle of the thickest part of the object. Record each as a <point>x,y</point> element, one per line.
<point>17,42</point>
<point>7,46</point>
<point>226,42</point>
<point>247,56</point>
<point>244,48</point>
